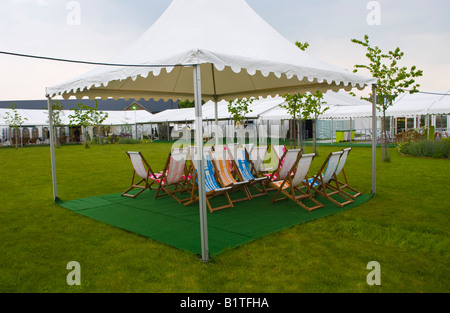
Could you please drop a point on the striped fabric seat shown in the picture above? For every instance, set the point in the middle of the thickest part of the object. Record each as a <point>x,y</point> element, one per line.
<point>244,166</point>
<point>278,184</point>
<point>293,179</point>
<point>174,175</point>
<point>210,181</point>
<point>212,188</point>
<point>221,159</point>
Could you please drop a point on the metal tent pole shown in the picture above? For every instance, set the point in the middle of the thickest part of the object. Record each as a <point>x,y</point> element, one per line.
<point>201,163</point>
<point>52,147</point>
<point>374,138</point>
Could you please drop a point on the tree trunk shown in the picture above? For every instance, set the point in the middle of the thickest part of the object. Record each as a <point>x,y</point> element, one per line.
<point>385,153</point>
<point>17,138</point>
<point>292,133</point>
<point>55,138</point>
<point>100,138</point>
<point>300,134</point>
<point>86,138</point>
<point>314,137</point>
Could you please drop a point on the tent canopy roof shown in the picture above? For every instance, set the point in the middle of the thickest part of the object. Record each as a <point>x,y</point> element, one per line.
<point>239,53</point>
<point>420,104</point>
<point>40,117</point>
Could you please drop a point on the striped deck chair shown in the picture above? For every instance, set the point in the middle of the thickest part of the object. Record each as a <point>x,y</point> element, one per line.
<point>212,188</point>
<point>142,169</point>
<point>279,151</point>
<point>187,176</point>
<point>345,184</point>
<point>226,148</point>
<point>290,185</point>
<point>174,175</point>
<point>326,173</point>
<point>244,165</point>
<point>282,171</point>
<point>221,161</point>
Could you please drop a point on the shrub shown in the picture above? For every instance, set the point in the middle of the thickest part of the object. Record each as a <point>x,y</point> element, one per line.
<point>146,141</point>
<point>128,141</point>
<point>427,148</point>
<point>112,139</point>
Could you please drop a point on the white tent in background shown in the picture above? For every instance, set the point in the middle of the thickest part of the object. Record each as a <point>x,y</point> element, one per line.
<point>40,117</point>
<point>340,104</point>
<point>257,108</point>
<point>420,104</point>
<point>211,50</point>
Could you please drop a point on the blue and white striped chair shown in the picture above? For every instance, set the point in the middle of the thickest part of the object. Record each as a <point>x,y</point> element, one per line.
<point>244,165</point>
<point>212,188</point>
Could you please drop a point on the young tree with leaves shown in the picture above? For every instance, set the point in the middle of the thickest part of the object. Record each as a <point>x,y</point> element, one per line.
<point>239,109</point>
<point>302,46</point>
<point>313,109</point>
<point>14,120</point>
<point>304,107</point>
<point>294,106</point>
<point>57,108</point>
<point>85,116</point>
<point>392,79</point>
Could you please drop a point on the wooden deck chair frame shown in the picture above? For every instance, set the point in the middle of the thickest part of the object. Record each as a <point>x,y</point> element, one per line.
<point>257,155</point>
<point>345,184</point>
<point>290,185</point>
<point>143,170</point>
<point>319,182</point>
<point>276,173</point>
<point>245,165</point>
<point>212,188</point>
<point>174,175</point>
<point>224,175</point>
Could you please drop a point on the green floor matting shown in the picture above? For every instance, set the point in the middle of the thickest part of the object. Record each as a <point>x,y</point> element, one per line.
<point>165,220</point>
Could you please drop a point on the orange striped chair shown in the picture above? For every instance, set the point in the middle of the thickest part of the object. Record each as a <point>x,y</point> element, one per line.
<point>221,161</point>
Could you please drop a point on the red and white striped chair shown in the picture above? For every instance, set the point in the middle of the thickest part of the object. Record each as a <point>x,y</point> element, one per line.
<point>174,178</point>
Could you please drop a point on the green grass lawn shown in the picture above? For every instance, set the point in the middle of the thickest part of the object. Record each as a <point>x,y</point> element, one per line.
<point>405,228</point>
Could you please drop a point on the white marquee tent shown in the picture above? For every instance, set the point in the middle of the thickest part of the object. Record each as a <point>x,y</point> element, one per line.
<point>210,50</point>
<point>257,109</point>
<point>341,105</point>
<point>40,117</point>
<point>420,104</point>
<point>118,121</point>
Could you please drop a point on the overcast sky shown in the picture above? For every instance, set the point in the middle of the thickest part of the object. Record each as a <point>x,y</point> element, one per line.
<point>104,28</point>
